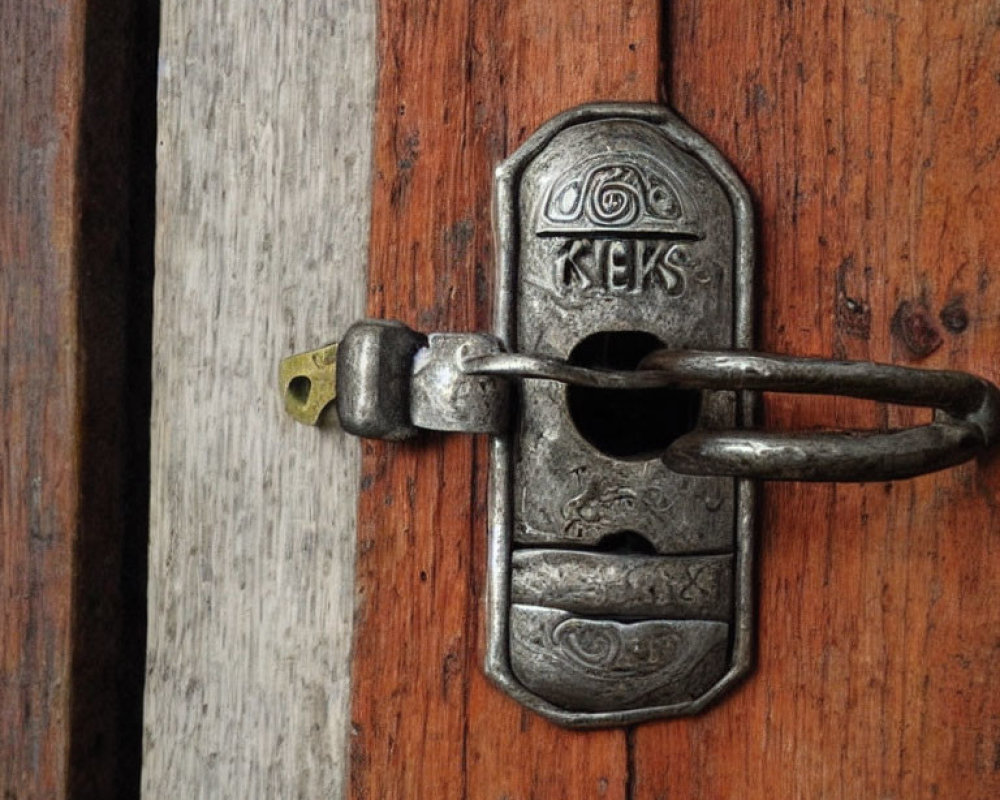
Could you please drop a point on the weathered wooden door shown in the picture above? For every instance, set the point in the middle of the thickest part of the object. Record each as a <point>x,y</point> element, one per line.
<point>868,134</point>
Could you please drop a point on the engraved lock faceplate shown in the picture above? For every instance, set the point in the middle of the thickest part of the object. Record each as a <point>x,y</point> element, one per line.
<point>619,590</point>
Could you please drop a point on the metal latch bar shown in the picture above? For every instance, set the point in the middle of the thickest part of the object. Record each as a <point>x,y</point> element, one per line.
<point>460,382</point>
<point>967,418</point>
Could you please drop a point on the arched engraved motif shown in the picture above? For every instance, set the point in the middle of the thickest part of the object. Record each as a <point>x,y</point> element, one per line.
<point>600,665</point>
<point>608,193</point>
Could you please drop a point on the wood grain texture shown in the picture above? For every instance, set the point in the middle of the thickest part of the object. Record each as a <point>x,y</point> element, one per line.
<point>72,272</point>
<point>40,133</point>
<point>869,134</point>
<point>461,85</point>
<point>263,208</point>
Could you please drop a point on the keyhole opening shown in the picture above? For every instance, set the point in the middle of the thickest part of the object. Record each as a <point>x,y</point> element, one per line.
<point>627,423</point>
<point>626,543</point>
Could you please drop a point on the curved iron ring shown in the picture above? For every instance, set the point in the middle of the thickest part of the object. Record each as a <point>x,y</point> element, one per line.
<point>966,419</point>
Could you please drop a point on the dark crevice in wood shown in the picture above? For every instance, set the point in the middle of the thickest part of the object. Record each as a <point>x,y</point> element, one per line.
<point>666,54</point>
<point>630,762</point>
<point>116,200</point>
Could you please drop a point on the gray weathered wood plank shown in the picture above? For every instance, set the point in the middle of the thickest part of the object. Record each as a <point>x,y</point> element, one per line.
<point>264,169</point>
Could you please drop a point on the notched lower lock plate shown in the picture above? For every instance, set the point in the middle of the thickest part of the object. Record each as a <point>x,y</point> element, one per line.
<point>619,591</point>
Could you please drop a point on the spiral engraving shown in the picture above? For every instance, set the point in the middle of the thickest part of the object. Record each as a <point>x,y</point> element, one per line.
<point>614,196</point>
<point>588,645</point>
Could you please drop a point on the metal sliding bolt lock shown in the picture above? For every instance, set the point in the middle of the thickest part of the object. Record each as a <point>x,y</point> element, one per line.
<point>622,504</point>
<point>389,382</point>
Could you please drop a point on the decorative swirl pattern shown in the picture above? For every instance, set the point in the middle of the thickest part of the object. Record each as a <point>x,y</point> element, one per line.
<point>589,645</point>
<point>662,200</point>
<point>614,196</point>
<point>603,665</point>
<point>565,204</point>
<point>639,195</point>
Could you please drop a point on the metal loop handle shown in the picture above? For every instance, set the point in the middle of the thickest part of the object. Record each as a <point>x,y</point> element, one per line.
<point>967,417</point>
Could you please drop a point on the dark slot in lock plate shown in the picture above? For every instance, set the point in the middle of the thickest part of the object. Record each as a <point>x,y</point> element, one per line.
<point>622,506</point>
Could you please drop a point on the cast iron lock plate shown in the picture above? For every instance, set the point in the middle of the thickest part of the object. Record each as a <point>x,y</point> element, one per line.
<point>619,590</point>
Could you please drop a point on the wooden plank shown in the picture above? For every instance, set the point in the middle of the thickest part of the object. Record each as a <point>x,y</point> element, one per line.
<point>40,460</point>
<point>262,211</point>
<point>460,86</point>
<point>73,269</point>
<point>869,136</point>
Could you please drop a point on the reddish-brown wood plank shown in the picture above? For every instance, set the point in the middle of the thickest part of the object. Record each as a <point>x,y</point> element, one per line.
<point>72,383</point>
<point>461,85</point>
<point>869,135</point>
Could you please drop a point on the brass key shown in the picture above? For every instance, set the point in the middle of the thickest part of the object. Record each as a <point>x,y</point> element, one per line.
<point>309,382</point>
